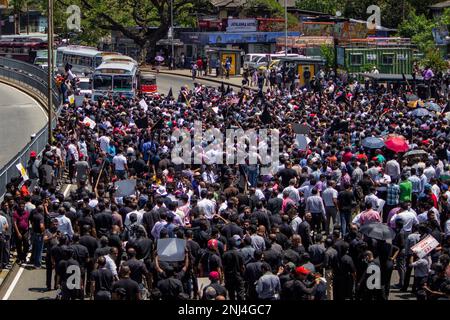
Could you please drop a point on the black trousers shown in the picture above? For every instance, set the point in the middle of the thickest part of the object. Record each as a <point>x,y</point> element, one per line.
<point>235,287</point>
<point>22,246</point>
<point>407,275</point>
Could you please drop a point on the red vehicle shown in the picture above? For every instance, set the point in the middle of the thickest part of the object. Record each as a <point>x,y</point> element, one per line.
<point>148,83</point>
<point>24,50</point>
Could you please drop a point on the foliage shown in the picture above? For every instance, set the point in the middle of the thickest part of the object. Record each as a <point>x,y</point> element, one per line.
<point>434,59</point>
<point>327,52</point>
<point>269,9</point>
<point>326,6</point>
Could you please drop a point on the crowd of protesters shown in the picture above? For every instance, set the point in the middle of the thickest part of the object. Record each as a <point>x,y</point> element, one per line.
<point>294,234</point>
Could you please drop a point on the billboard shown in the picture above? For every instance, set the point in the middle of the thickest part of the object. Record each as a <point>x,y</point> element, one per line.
<point>242,25</point>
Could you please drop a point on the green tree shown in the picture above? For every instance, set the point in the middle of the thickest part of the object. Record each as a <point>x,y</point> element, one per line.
<point>325,6</point>
<point>419,29</point>
<point>433,58</point>
<point>269,9</point>
<point>143,21</point>
<point>327,52</point>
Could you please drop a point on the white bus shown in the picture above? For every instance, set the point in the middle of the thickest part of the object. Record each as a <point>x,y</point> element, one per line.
<point>116,78</point>
<point>117,57</point>
<point>83,59</point>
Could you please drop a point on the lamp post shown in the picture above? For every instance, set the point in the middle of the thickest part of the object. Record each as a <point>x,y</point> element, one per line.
<point>172,62</point>
<point>50,66</point>
<point>285,28</point>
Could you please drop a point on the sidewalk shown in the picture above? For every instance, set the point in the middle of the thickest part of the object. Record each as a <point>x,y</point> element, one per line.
<point>235,81</point>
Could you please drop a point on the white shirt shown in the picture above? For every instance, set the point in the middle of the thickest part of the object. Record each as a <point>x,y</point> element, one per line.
<point>208,206</point>
<point>393,169</point>
<point>119,162</point>
<point>139,214</point>
<point>104,143</point>
<point>429,172</point>
<point>409,218</point>
<point>3,223</point>
<point>73,152</point>
<point>65,225</point>
<point>372,199</point>
<point>447,228</point>
<point>293,193</point>
<point>328,195</point>
<point>111,265</point>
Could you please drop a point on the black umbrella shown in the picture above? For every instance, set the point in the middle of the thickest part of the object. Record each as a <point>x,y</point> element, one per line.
<point>377,230</point>
<point>416,152</point>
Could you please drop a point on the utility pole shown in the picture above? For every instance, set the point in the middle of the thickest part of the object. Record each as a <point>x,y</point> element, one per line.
<point>172,62</point>
<point>50,66</point>
<point>285,29</point>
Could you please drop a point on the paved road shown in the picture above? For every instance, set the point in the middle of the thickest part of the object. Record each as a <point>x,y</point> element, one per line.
<point>165,82</point>
<point>20,117</point>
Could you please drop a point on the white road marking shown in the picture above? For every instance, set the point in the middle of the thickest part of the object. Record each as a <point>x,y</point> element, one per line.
<point>67,190</point>
<point>15,280</point>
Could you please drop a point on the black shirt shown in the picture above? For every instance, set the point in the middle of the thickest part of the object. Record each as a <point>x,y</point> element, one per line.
<point>103,221</point>
<point>232,229</point>
<point>170,288</point>
<point>233,263</point>
<point>346,200</point>
<point>36,219</point>
<point>90,243</point>
<point>287,174</point>
<point>138,270</point>
<point>220,290</point>
<point>126,289</point>
<point>80,253</point>
<point>210,262</point>
<point>103,279</point>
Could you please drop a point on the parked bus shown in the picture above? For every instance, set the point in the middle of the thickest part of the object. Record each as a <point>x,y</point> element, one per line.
<point>23,49</point>
<point>116,78</point>
<point>83,59</point>
<point>117,57</point>
<point>147,83</point>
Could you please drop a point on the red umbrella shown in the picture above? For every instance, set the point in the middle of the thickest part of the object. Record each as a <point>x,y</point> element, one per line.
<point>396,144</point>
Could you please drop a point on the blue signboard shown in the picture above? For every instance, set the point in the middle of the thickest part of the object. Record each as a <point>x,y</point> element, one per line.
<point>205,38</point>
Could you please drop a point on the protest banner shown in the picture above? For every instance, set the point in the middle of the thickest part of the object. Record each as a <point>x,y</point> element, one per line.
<point>22,171</point>
<point>143,105</point>
<point>90,122</point>
<point>424,247</point>
<point>171,249</point>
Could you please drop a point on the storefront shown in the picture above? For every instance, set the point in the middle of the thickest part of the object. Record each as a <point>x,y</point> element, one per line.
<point>250,42</point>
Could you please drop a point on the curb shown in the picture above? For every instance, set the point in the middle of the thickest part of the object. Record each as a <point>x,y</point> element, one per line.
<point>205,79</point>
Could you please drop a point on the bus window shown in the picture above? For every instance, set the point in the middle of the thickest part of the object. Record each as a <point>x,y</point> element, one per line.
<point>123,82</point>
<point>98,61</point>
<point>102,82</point>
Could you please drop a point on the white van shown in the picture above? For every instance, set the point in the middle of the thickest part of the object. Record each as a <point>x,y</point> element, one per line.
<point>253,61</point>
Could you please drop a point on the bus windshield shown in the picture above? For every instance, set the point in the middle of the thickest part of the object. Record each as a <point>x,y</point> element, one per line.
<point>102,82</point>
<point>123,83</point>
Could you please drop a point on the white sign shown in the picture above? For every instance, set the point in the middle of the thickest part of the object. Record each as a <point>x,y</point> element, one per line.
<point>242,25</point>
<point>22,171</point>
<point>90,122</point>
<point>425,246</point>
<point>171,249</point>
<point>143,105</point>
<point>125,187</point>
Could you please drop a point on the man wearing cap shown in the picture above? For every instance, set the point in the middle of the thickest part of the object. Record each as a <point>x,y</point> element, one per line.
<point>302,289</point>
<point>33,166</point>
<point>210,260</point>
<point>219,290</point>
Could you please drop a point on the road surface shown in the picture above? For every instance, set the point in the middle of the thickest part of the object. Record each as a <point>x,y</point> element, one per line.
<point>165,82</point>
<point>20,117</point>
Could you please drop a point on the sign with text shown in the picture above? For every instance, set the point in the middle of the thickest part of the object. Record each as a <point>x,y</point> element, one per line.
<point>425,246</point>
<point>242,25</point>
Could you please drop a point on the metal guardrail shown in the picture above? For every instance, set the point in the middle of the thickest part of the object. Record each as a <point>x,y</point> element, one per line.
<point>35,79</point>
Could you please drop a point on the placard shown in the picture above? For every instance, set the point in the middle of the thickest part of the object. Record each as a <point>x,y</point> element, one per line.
<point>171,249</point>
<point>424,247</point>
<point>125,187</point>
